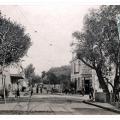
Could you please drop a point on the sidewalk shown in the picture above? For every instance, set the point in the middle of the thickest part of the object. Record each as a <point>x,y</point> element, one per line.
<point>106,106</point>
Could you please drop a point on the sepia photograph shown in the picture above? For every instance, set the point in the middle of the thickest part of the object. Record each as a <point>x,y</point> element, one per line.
<point>59,58</point>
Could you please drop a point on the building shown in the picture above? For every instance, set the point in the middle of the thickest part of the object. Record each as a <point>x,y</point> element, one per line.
<point>83,76</point>
<point>10,76</point>
<point>5,78</point>
<point>16,75</point>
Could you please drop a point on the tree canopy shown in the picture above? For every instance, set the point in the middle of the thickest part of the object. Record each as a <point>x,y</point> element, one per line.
<point>31,75</point>
<point>63,70</point>
<point>58,75</point>
<point>52,78</point>
<point>98,44</point>
<point>14,42</point>
<point>29,71</point>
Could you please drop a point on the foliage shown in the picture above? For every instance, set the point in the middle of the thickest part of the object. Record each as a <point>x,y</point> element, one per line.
<point>36,79</point>
<point>43,74</point>
<point>63,74</point>
<point>14,43</point>
<point>31,76</point>
<point>63,70</point>
<point>97,45</point>
<point>52,78</point>
<point>29,71</point>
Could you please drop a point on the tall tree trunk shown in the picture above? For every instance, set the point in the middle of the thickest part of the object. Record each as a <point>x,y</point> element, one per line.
<point>102,82</point>
<point>116,84</point>
<point>116,79</point>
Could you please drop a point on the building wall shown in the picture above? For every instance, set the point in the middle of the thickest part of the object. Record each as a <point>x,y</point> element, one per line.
<point>6,75</point>
<point>81,73</point>
<point>7,71</point>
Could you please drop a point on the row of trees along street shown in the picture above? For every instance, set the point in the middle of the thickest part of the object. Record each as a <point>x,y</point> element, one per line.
<point>60,75</point>
<point>98,44</point>
<point>56,75</point>
<point>31,76</point>
<point>14,43</point>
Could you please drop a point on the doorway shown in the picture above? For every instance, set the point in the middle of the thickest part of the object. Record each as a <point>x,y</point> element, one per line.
<point>87,86</point>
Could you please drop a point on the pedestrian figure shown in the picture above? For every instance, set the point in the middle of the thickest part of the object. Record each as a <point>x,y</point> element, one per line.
<point>41,90</point>
<point>18,92</point>
<point>91,91</point>
<point>66,91</point>
<point>47,91</point>
<point>52,90</point>
<point>37,89</point>
<point>83,91</point>
<point>31,91</point>
<point>73,90</point>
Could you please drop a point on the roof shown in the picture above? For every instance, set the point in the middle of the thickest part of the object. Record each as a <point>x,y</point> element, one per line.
<point>19,76</point>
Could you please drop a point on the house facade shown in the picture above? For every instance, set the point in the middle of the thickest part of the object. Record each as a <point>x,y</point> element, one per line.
<point>83,76</point>
<point>5,78</point>
<point>10,76</point>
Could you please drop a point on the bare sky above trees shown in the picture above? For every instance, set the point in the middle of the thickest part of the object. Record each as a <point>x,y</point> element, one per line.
<point>50,27</point>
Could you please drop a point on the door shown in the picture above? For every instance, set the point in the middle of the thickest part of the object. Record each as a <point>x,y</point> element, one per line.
<point>75,85</point>
<point>87,86</point>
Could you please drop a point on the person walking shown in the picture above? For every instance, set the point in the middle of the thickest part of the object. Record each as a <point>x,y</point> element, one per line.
<point>41,90</point>
<point>83,91</point>
<point>91,91</point>
<point>18,91</point>
<point>37,89</point>
<point>31,90</point>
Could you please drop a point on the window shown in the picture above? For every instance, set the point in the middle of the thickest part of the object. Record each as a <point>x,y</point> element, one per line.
<point>76,67</point>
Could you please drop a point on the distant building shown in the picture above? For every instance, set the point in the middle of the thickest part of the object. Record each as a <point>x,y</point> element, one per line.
<point>11,75</point>
<point>83,76</point>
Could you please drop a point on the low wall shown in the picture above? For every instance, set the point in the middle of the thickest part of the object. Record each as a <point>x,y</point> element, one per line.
<point>101,97</point>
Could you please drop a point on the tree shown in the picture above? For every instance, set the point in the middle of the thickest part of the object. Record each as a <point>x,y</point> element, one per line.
<point>97,45</point>
<point>52,78</point>
<point>63,75</point>
<point>62,70</point>
<point>43,76</point>
<point>30,72</point>
<point>14,43</point>
<point>36,79</point>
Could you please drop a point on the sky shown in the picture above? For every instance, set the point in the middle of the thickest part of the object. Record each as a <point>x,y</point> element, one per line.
<point>50,27</point>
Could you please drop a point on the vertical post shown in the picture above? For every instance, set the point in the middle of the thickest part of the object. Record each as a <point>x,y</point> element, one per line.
<point>49,85</point>
<point>3,80</point>
<point>93,78</point>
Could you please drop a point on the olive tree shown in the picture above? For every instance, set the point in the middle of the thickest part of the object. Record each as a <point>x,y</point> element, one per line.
<point>98,43</point>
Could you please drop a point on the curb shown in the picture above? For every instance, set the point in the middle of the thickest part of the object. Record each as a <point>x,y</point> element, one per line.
<point>110,109</point>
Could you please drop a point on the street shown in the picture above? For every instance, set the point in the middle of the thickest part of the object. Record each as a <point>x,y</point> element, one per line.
<point>53,105</point>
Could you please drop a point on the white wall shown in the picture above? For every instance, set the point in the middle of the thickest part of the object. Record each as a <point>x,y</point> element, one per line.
<point>6,74</point>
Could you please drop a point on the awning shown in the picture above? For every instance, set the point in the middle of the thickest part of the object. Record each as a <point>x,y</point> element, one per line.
<point>86,75</point>
<point>15,77</point>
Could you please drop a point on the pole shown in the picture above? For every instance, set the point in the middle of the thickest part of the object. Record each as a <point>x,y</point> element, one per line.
<point>4,90</point>
<point>3,80</point>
